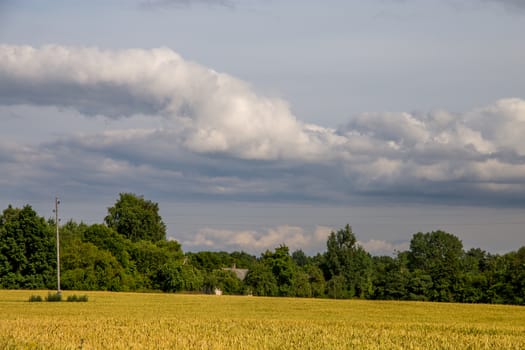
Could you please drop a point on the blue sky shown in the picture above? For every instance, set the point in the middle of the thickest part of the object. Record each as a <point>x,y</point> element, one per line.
<point>257,123</point>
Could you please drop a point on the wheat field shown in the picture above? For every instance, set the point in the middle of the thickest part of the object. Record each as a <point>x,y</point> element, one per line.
<point>172,321</point>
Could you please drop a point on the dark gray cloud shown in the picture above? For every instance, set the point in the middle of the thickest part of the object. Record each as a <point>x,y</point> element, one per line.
<point>98,99</point>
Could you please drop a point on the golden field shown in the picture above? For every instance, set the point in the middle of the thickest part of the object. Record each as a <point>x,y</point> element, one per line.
<point>174,321</point>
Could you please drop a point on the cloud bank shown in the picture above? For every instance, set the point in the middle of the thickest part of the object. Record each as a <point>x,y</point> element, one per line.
<point>213,112</point>
<point>294,237</point>
<point>212,135</point>
<point>255,241</point>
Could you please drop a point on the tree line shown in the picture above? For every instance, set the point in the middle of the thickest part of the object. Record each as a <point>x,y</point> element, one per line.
<point>130,252</point>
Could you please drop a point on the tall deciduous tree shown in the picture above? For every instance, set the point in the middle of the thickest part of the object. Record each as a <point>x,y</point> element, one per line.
<point>517,276</point>
<point>136,218</point>
<point>27,252</point>
<point>87,267</point>
<point>390,278</point>
<point>438,254</point>
<point>347,260</point>
<point>261,281</point>
<point>283,268</point>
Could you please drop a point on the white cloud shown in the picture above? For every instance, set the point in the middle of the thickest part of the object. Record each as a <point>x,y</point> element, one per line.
<point>215,113</point>
<point>211,134</point>
<point>255,242</point>
<point>294,237</point>
<point>502,123</point>
<point>401,128</point>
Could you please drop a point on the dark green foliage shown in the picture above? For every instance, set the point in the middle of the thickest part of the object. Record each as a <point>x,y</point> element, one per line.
<point>301,285</point>
<point>420,285</point>
<point>243,260</point>
<point>77,298</point>
<point>506,278</point>
<point>316,280</point>
<point>224,280</point>
<point>27,250</point>
<point>136,218</point>
<point>336,288</point>
<point>54,297</point>
<point>473,278</point>
<point>210,261</point>
<point>173,277</point>
<point>107,239</point>
<point>390,278</point>
<point>300,258</point>
<point>348,263</point>
<point>283,269</point>
<point>96,257</point>
<point>149,258</point>
<point>277,274</point>
<point>516,276</point>
<point>86,267</point>
<point>139,258</point>
<point>261,281</point>
<point>438,255</point>
<point>35,298</point>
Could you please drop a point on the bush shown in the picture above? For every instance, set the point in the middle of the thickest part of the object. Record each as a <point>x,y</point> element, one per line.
<point>54,297</point>
<point>35,298</point>
<point>79,298</point>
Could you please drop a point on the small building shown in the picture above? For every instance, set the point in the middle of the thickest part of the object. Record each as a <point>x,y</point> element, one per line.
<point>239,273</point>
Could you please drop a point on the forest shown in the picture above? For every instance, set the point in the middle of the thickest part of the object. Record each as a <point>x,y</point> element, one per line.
<point>130,252</point>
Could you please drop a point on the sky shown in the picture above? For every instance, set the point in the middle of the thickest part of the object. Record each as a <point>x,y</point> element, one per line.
<point>257,123</point>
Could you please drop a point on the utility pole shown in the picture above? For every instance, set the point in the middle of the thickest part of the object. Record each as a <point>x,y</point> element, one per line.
<point>57,202</point>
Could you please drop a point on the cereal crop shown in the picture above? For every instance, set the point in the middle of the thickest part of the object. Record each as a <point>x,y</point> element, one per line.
<point>175,321</point>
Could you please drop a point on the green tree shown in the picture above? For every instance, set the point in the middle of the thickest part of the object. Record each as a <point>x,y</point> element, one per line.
<point>336,288</point>
<point>224,280</point>
<point>506,278</point>
<point>261,281</point>
<point>316,279</point>
<point>86,267</point>
<point>420,286</point>
<point>150,257</point>
<point>27,250</point>
<point>136,218</point>
<point>390,278</point>
<point>300,258</point>
<point>516,276</point>
<point>438,254</point>
<point>283,268</point>
<point>346,259</point>
<point>499,289</point>
<point>70,233</point>
<point>210,261</point>
<point>107,239</point>
<point>175,276</point>
<point>301,285</point>
<point>243,260</point>
<point>473,280</point>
